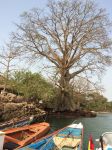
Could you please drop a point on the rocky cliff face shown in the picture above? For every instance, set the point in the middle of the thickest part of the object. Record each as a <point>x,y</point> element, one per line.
<point>12,106</point>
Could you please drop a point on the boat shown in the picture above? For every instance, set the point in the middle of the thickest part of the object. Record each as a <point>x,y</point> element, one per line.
<point>15,123</point>
<point>2,135</point>
<point>105,141</point>
<point>18,122</point>
<point>21,136</point>
<point>68,138</point>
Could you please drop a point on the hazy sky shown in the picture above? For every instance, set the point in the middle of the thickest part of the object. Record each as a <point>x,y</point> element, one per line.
<point>10,11</point>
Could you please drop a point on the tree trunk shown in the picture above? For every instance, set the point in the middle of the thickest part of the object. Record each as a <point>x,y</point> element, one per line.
<point>65,100</point>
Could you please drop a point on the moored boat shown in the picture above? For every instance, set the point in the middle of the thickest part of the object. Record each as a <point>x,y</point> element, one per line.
<point>68,138</point>
<point>21,136</point>
<point>105,141</point>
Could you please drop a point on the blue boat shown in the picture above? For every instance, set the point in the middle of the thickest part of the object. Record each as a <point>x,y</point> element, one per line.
<point>68,138</point>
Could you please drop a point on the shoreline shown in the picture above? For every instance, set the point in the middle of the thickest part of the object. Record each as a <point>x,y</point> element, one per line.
<point>76,114</point>
<point>103,112</point>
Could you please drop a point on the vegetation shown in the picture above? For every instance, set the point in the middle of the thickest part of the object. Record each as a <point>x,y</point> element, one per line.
<point>32,86</point>
<point>98,102</point>
<point>72,37</point>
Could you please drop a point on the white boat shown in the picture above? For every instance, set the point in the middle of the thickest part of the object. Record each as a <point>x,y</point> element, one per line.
<point>105,141</point>
<point>2,135</point>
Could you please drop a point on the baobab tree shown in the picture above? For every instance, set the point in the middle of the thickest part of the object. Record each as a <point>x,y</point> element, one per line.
<point>72,35</point>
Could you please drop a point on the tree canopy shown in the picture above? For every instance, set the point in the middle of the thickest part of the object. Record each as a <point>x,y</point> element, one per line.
<point>71,36</point>
<point>32,85</point>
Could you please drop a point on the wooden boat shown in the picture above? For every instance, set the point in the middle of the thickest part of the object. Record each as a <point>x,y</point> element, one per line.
<point>15,123</point>
<point>105,141</point>
<point>21,136</point>
<point>68,138</point>
<point>18,122</point>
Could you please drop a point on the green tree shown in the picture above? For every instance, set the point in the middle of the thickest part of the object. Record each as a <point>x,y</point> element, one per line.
<point>32,85</point>
<point>96,102</point>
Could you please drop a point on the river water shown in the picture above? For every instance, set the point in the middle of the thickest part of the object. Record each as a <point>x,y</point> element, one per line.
<point>95,126</point>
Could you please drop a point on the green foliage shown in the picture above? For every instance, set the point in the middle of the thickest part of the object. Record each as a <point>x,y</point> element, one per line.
<point>96,102</point>
<point>32,85</point>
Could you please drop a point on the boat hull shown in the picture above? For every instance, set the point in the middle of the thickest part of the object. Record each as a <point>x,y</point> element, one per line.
<point>70,137</point>
<point>106,141</point>
<point>19,137</point>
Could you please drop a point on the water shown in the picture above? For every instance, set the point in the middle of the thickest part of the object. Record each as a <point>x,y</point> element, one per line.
<point>95,126</point>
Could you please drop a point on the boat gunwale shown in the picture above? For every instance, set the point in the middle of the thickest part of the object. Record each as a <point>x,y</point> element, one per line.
<point>43,128</point>
<point>56,133</point>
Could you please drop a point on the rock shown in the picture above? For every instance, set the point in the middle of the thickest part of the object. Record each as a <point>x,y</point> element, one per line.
<point>12,106</point>
<point>11,96</point>
<point>18,99</point>
<point>1,111</point>
<point>3,98</point>
<point>86,113</point>
<point>19,110</point>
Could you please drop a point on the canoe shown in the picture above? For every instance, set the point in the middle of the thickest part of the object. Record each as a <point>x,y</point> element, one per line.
<point>68,138</point>
<point>15,123</point>
<point>22,121</point>
<point>21,136</point>
<point>105,141</point>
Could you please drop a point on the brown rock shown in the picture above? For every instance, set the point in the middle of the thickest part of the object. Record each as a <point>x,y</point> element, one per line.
<point>10,107</point>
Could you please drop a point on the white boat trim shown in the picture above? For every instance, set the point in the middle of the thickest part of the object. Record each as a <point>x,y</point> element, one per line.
<point>77,126</point>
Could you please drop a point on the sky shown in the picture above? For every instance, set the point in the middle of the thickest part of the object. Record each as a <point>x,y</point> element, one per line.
<point>10,10</point>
